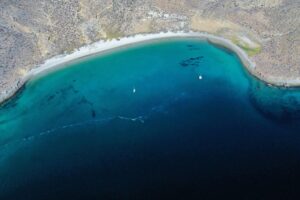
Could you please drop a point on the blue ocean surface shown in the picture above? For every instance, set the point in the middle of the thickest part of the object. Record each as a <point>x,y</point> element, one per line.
<point>171,119</point>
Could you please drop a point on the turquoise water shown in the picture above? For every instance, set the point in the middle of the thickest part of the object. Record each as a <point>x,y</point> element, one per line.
<point>173,119</point>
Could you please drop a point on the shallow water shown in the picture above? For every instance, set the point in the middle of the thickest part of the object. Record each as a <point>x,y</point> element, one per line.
<point>173,119</point>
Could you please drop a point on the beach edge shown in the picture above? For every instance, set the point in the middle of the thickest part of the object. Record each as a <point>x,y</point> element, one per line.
<point>103,46</point>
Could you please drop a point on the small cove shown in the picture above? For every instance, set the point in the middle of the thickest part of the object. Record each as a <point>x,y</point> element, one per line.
<point>173,119</point>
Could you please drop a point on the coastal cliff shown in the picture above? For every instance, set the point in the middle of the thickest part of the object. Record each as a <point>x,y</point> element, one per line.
<point>34,31</point>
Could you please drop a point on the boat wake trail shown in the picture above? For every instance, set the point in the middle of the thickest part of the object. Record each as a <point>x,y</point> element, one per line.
<point>5,149</point>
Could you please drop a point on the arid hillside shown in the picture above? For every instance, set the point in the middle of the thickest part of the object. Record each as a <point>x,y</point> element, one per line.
<point>33,31</point>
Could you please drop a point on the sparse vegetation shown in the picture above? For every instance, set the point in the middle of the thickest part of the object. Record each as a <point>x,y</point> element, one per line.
<point>250,50</point>
<point>113,34</point>
<point>23,26</point>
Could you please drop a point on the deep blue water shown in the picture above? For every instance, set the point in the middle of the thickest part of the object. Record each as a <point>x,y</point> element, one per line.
<point>176,119</point>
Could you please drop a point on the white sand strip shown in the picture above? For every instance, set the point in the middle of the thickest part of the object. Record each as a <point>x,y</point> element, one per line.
<point>102,46</point>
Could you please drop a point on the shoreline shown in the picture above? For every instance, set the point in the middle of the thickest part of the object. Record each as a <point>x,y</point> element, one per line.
<point>103,46</point>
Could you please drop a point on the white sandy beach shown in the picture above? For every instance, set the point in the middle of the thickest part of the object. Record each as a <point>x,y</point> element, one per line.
<point>102,46</point>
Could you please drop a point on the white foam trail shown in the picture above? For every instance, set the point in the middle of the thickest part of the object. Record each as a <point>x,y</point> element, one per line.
<point>50,131</point>
<point>140,118</point>
<point>76,125</point>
